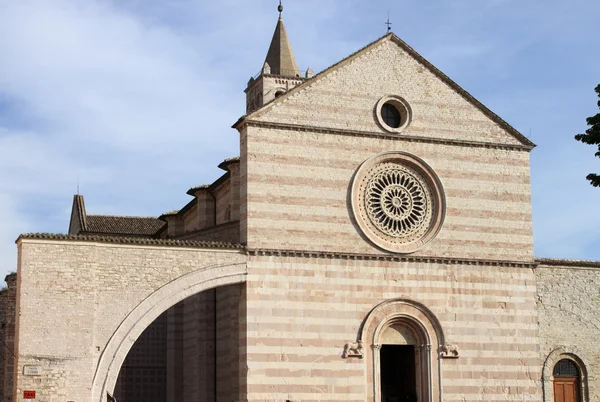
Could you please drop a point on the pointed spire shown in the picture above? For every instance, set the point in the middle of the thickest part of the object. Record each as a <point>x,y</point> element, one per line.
<point>280,56</point>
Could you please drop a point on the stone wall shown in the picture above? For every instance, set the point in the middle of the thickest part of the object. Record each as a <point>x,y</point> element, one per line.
<point>76,296</point>
<point>199,332</point>
<point>226,232</point>
<point>229,337</point>
<point>302,310</point>
<point>7,334</point>
<point>344,98</point>
<point>299,155</point>
<point>568,296</point>
<point>298,191</point>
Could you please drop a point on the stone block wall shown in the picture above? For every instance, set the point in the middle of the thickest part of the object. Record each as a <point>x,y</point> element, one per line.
<point>302,310</point>
<point>227,232</point>
<point>199,332</point>
<point>344,98</point>
<point>298,194</point>
<point>568,300</point>
<point>228,342</point>
<point>7,334</point>
<point>75,296</point>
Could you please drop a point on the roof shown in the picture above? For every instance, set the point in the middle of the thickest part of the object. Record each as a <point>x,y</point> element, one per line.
<point>568,263</point>
<point>131,240</point>
<point>229,161</point>
<point>403,45</point>
<point>280,57</point>
<point>125,225</point>
<point>82,223</point>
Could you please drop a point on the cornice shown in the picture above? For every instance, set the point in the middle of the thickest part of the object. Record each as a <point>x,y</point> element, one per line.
<point>381,135</point>
<point>555,262</point>
<point>388,257</point>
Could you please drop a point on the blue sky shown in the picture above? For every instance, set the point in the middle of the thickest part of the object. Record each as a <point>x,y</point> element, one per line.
<point>135,98</point>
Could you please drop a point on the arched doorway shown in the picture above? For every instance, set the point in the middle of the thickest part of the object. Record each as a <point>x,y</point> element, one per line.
<point>564,376</point>
<point>567,381</point>
<point>403,356</point>
<point>404,365</point>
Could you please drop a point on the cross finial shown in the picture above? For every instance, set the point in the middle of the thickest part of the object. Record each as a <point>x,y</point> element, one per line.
<point>388,23</point>
<point>280,8</point>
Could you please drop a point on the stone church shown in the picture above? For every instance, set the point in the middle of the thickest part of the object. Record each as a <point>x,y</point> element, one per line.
<point>372,242</point>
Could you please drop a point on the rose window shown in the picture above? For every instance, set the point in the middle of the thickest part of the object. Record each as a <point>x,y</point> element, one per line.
<point>398,202</point>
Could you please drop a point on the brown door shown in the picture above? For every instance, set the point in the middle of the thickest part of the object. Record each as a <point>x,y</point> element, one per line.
<point>565,389</point>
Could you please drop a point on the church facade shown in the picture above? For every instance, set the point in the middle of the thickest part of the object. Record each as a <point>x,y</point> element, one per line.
<point>372,242</point>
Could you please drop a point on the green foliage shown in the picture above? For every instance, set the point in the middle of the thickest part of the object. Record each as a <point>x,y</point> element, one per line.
<point>592,137</point>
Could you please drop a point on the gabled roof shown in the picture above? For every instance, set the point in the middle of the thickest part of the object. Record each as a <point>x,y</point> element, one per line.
<point>82,223</point>
<point>123,225</point>
<point>280,57</point>
<point>413,53</point>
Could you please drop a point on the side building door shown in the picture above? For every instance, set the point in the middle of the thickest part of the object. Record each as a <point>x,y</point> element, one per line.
<point>566,381</point>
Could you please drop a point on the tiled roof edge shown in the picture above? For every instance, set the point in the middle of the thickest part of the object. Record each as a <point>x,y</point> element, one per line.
<point>208,187</point>
<point>124,216</point>
<point>175,212</point>
<point>223,165</point>
<point>568,263</point>
<point>131,240</point>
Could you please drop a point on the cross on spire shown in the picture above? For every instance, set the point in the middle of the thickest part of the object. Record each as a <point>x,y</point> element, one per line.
<point>388,23</point>
<point>280,8</point>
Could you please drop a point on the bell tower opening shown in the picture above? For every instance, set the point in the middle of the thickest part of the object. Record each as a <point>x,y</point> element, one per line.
<point>398,376</point>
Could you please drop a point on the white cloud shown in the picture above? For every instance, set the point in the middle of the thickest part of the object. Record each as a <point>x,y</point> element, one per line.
<point>136,98</point>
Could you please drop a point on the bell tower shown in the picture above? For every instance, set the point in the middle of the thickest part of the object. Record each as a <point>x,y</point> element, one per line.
<point>279,73</point>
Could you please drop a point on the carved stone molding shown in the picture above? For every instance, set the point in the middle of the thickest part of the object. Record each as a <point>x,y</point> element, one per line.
<point>449,351</point>
<point>387,257</point>
<point>243,122</point>
<point>353,349</point>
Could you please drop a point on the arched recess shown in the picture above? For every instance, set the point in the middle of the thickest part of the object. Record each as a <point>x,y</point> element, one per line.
<point>148,310</point>
<point>410,319</point>
<point>554,357</point>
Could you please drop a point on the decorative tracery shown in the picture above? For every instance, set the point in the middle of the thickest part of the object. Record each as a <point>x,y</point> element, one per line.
<point>398,201</point>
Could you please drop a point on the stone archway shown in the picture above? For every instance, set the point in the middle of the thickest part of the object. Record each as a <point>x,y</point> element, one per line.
<point>148,310</point>
<point>403,321</point>
<point>558,354</point>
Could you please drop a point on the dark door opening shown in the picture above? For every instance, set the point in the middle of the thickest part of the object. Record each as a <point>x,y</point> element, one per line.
<point>398,375</point>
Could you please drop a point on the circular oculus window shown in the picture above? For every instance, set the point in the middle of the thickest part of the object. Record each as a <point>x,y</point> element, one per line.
<point>398,202</point>
<point>393,113</point>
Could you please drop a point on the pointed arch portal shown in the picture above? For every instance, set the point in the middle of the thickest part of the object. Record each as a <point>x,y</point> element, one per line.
<point>147,311</point>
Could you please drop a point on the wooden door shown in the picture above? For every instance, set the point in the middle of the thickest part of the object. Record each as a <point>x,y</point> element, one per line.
<point>565,389</point>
